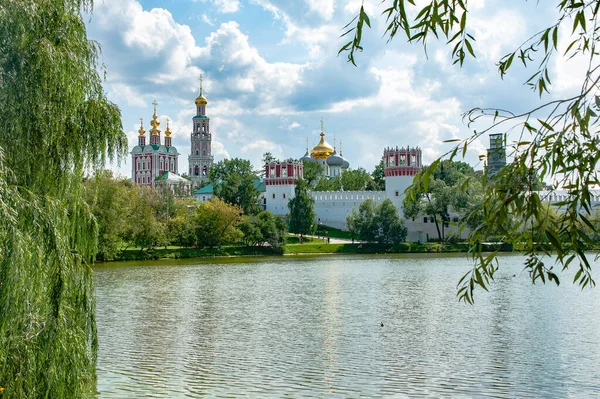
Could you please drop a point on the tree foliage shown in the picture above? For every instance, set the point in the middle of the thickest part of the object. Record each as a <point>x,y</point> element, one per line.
<point>313,172</point>
<point>56,122</point>
<point>263,229</point>
<point>216,221</point>
<point>380,223</point>
<point>302,214</point>
<point>233,183</point>
<point>452,190</point>
<point>349,180</point>
<point>109,199</point>
<point>557,140</point>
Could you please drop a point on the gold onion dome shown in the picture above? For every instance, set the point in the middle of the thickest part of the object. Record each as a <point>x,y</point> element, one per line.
<point>322,150</point>
<point>142,130</point>
<point>201,100</point>
<point>168,130</point>
<point>155,123</point>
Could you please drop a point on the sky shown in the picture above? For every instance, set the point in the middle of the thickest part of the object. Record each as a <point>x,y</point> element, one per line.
<point>271,71</point>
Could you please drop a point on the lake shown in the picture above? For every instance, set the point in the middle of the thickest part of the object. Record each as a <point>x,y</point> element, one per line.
<point>311,327</point>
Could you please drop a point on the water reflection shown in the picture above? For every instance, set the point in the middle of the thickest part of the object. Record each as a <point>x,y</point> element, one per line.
<point>310,327</point>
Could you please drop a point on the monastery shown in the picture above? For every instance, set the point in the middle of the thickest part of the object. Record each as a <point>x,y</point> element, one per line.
<point>156,165</point>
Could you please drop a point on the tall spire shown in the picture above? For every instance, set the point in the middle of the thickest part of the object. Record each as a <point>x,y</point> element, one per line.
<point>322,130</point>
<point>155,122</point>
<point>307,144</point>
<point>201,100</point>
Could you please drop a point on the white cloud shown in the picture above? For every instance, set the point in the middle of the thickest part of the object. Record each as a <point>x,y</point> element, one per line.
<point>325,8</point>
<point>315,39</point>
<point>293,125</point>
<point>120,92</point>
<point>224,6</point>
<point>204,18</point>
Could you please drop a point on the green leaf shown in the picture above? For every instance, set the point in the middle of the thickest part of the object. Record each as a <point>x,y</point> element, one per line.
<point>469,48</point>
<point>545,125</point>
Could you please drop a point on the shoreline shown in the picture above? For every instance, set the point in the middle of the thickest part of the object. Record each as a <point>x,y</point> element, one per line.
<point>309,249</point>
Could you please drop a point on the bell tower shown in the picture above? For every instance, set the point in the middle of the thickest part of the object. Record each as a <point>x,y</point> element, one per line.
<point>201,158</point>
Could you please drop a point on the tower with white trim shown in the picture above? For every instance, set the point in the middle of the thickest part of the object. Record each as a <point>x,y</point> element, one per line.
<point>200,159</point>
<point>400,166</point>
<point>280,184</point>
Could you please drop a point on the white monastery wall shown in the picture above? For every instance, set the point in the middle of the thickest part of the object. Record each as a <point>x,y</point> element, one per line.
<point>332,207</point>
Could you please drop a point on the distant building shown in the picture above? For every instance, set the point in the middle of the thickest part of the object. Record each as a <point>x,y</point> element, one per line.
<point>200,159</point>
<point>496,154</point>
<point>324,154</point>
<point>153,160</point>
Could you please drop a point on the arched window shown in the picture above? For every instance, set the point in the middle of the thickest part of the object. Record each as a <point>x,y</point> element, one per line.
<point>162,164</point>
<point>203,152</point>
<point>196,170</point>
<point>197,152</point>
<point>204,170</point>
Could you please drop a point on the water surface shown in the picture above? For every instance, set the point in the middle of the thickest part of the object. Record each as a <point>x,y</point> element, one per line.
<point>311,327</point>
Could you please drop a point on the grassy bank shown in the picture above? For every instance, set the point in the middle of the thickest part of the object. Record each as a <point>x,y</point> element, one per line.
<point>311,247</point>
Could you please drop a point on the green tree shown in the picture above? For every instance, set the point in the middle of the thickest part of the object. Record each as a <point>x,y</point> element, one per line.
<point>302,213</point>
<point>312,173</point>
<point>445,194</point>
<point>144,228</point>
<point>378,177</point>
<point>56,122</point>
<point>233,183</point>
<point>181,227</point>
<point>390,228</point>
<point>264,228</point>
<point>356,180</point>
<point>556,139</point>
<point>107,198</point>
<point>362,223</point>
<point>216,222</point>
<point>380,223</point>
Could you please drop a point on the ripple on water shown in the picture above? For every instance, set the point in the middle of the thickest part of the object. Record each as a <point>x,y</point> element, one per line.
<point>311,328</point>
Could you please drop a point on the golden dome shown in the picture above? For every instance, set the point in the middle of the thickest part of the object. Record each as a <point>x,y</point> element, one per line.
<point>155,123</point>
<point>201,100</point>
<point>142,130</point>
<point>322,150</point>
<point>168,130</point>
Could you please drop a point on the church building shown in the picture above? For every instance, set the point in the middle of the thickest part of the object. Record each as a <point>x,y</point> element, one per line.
<point>153,160</point>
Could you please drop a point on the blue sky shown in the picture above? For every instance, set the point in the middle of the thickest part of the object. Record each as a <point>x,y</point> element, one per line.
<point>271,71</point>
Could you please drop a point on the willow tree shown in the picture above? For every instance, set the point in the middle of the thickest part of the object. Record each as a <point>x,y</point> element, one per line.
<point>55,123</point>
<point>557,140</point>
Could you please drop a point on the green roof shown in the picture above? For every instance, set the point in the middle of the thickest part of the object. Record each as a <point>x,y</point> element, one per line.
<point>200,117</point>
<point>208,189</point>
<point>259,185</point>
